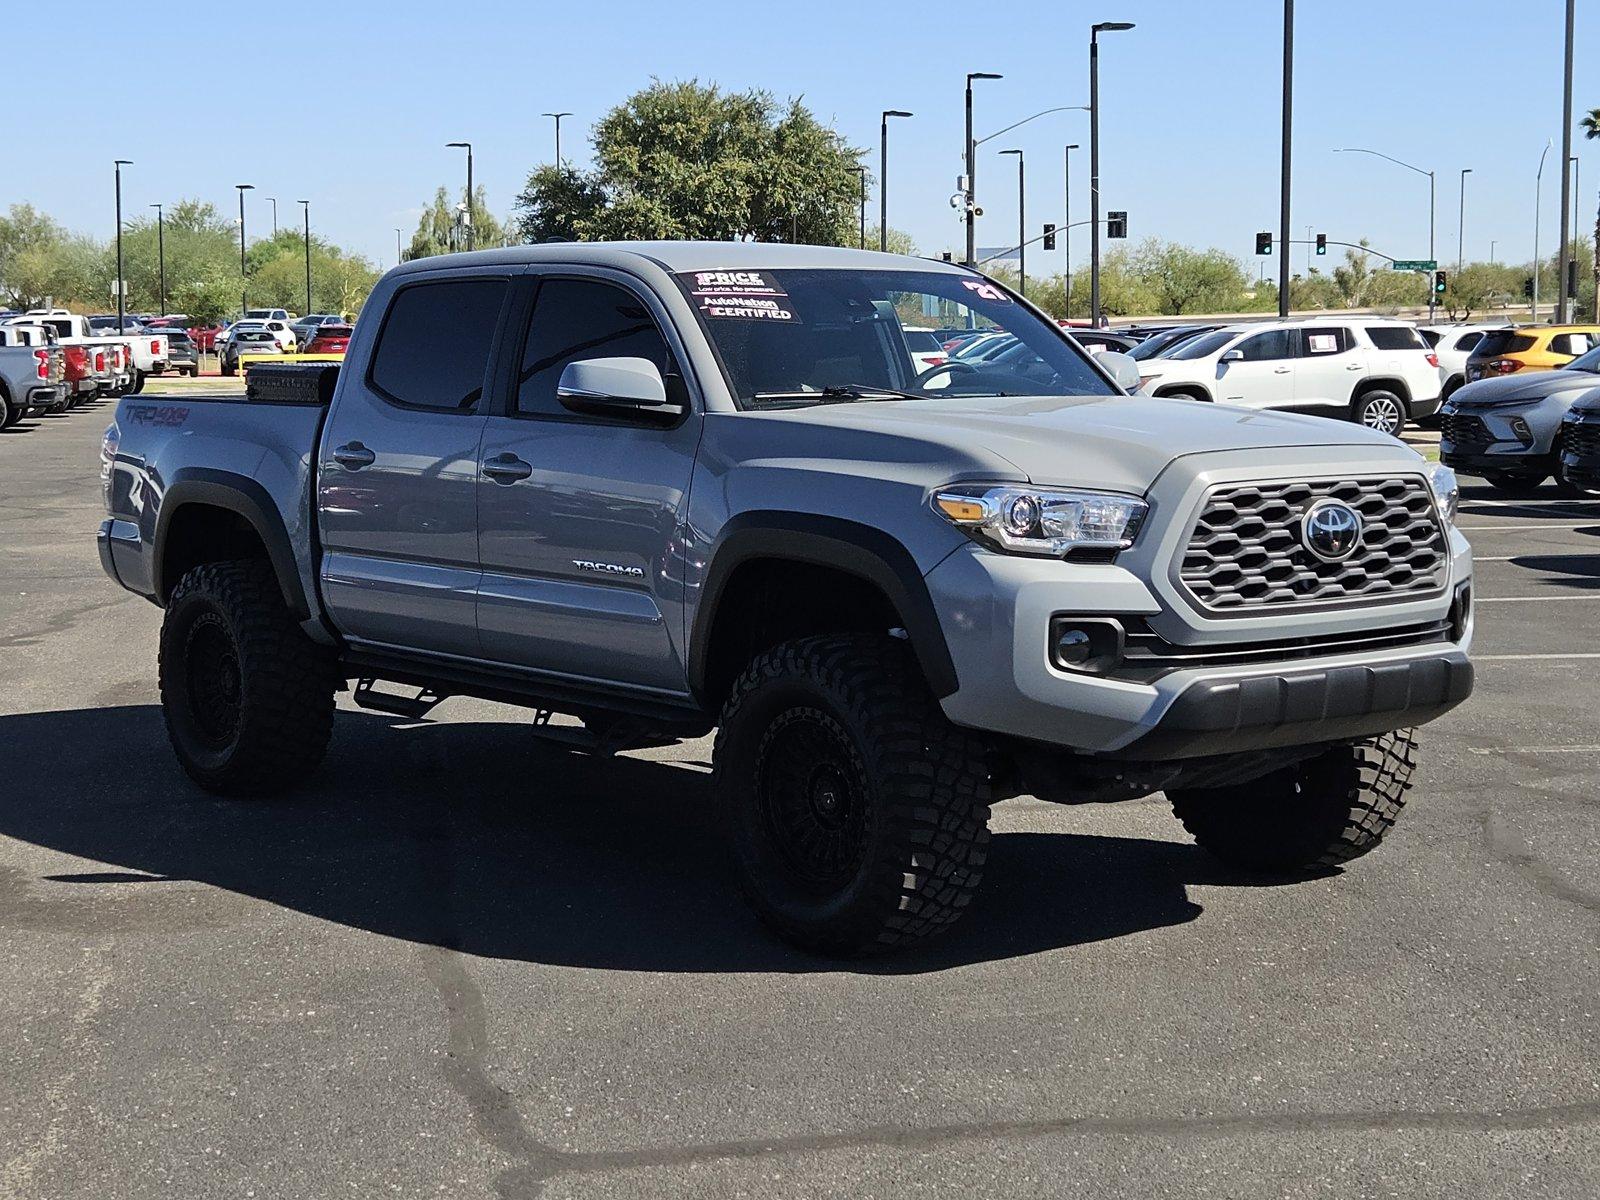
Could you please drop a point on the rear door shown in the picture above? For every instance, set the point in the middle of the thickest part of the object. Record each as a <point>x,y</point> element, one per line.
<point>397,475</point>
<point>1264,378</point>
<point>1328,367</point>
<point>578,514</point>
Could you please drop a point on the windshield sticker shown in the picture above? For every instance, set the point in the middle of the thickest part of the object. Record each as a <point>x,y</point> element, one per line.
<point>741,296</point>
<point>984,290</point>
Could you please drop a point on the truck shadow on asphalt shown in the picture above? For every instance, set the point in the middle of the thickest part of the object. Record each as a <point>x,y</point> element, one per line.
<point>480,838</point>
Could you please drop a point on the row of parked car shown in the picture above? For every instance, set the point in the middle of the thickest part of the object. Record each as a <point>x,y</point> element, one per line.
<point>1516,404</point>
<point>52,360</point>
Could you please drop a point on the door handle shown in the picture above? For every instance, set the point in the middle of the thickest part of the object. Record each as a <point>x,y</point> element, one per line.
<point>1352,366</point>
<point>353,456</point>
<point>1280,370</point>
<point>506,468</point>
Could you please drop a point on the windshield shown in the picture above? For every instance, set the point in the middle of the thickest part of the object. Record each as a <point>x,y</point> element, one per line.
<point>1589,362</point>
<point>1205,345</point>
<point>1157,343</point>
<point>813,336</point>
<point>1502,341</point>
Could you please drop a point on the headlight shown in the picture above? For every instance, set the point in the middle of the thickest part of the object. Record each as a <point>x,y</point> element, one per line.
<point>1026,520</point>
<point>1446,490</point>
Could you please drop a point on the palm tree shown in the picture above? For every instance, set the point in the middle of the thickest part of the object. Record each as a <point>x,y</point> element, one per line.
<point>1591,130</point>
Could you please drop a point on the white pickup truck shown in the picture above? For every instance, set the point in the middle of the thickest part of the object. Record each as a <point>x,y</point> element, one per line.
<point>149,352</point>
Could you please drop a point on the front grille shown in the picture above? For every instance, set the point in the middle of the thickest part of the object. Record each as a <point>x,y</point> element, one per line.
<point>1581,439</point>
<point>1245,553</point>
<point>1466,434</point>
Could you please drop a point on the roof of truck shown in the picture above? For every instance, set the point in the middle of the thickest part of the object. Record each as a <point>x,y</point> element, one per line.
<point>683,256</point>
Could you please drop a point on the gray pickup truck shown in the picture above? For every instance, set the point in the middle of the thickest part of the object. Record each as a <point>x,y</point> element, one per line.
<point>669,487</point>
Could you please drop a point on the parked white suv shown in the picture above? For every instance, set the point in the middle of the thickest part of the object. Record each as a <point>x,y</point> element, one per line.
<point>1452,345</point>
<point>1367,369</point>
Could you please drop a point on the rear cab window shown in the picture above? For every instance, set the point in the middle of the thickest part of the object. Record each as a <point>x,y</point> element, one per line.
<point>433,348</point>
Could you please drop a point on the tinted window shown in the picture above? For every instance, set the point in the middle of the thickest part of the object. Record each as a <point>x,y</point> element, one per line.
<point>920,342</point>
<point>434,347</point>
<point>1571,343</point>
<point>1431,336</point>
<point>1203,346</point>
<point>1468,340</point>
<point>1395,337</point>
<point>1273,344</point>
<point>1502,341</point>
<point>578,319</point>
<point>1317,342</point>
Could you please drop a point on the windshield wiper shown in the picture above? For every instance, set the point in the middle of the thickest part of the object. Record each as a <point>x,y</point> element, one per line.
<point>841,393</point>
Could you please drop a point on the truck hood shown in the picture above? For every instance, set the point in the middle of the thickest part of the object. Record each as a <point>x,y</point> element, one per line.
<point>1116,442</point>
<point>1511,389</point>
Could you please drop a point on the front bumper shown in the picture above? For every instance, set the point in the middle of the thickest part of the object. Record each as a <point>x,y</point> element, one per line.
<point>996,612</point>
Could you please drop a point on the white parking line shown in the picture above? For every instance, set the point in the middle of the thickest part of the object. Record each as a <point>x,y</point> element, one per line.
<point>1531,599</point>
<point>1535,750</point>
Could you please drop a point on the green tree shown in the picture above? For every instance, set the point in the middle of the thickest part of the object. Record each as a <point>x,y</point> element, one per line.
<point>439,229</point>
<point>1186,280</point>
<point>686,160</point>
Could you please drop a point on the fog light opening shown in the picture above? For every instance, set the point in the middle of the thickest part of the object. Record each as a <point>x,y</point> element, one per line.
<point>1086,646</point>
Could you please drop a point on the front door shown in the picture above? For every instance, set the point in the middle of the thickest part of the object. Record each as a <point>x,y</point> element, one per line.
<point>578,515</point>
<point>397,482</point>
<point>1264,377</point>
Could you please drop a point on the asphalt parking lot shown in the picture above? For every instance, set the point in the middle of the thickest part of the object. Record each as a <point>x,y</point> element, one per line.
<point>465,964</point>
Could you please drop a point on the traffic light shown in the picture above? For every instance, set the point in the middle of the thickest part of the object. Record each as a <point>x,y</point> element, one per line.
<point>1049,236</point>
<point>1263,243</point>
<point>1116,224</point>
<point>947,256</point>
<point>1322,243</point>
<point>1572,278</point>
<point>1527,288</point>
<point>1440,282</point>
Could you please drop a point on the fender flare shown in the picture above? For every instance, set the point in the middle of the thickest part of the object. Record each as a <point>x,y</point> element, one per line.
<point>1386,383</point>
<point>861,550</point>
<point>1179,391</point>
<point>238,494</point>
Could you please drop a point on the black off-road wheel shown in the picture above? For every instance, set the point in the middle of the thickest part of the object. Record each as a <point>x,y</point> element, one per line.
<point>1308,817</point>
<point>247,696</point>
<point>858,814</point>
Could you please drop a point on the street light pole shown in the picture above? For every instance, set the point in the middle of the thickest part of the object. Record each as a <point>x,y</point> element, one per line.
<point>861,172</point>
<point>1432,299</point>
<point>1022,225</point>
<point>467,146</point>
<point>1094,161</point>
<point>1538,185</point>
<point>274,201</point>
<point>161,256</point>
<point>122,287</point>
<point>1461,223</point>
<point>1066,219</point>
<point>883,175</point>
<point>244,274</point>
<point>306,206</point>
<point>1566,177</point>
<point>972,169</point>
<point>1286,157</point>
<point>399,254</point>
<point>557,116</point>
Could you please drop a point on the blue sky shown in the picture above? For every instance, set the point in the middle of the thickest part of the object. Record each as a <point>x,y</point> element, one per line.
<point>1189,103</point>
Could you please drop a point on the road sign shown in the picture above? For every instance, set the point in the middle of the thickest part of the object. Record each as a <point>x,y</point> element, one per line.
<point>1415,264</point>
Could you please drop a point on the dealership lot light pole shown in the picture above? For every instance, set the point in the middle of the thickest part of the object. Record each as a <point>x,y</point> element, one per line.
<point>306,207</point>
<point>117,165</point>
<point>972,167</point>
<point>1022,224</point>
<point>883,174</point>
<point>862,173</point>
<point>1094,160</point>
<point>1538,186</point>
<point>161,256</point>
<point>1066,219</point>
<point>1461,223</point>
<point>273,200</point>
<point>467,146</point>
<point>244,274</point>
<point>557,117</point>
<point>1566,176</point>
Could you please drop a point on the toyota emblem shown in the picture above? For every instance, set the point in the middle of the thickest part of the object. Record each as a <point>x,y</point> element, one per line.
<point>1331,530</point>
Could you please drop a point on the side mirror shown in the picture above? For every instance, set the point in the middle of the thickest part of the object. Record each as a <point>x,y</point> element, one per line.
<point>1235,355</point>
<point>615,387</point>
<point>1124,370</point>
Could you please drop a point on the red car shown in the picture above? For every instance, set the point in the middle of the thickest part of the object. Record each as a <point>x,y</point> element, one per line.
<point>330,339</point>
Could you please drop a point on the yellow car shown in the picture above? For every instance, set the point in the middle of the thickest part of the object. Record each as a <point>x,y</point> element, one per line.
<point>1529,348</point>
